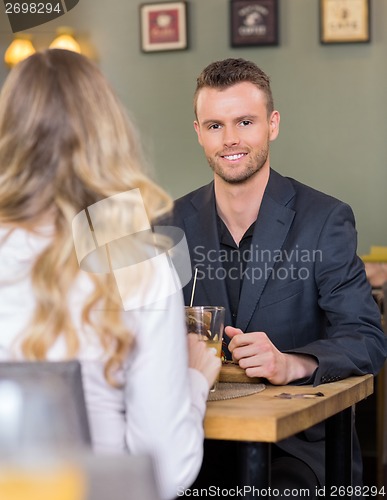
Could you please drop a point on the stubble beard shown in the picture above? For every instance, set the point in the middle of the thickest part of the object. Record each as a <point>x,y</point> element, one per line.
<point>252,167</point>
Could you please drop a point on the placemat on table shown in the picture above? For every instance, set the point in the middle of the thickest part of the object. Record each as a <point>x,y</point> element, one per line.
<point>231,390</point>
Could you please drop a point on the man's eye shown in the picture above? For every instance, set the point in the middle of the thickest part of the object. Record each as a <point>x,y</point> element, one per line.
<point>244,123</point>
<point>214,126</point>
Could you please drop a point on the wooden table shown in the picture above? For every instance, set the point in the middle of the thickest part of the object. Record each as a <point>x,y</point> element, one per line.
<point>260,419</point>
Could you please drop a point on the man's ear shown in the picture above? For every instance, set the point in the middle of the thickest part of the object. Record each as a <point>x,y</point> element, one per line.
<point>274,122</point>
<point>197,130</point>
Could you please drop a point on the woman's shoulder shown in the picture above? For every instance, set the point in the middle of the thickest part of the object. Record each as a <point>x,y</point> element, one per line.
<point>149,282</point>
<point>21,242</point>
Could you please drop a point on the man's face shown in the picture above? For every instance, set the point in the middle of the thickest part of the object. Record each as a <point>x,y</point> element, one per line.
<point>234,130</point>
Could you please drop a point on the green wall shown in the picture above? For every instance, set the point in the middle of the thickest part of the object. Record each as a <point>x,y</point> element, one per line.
<point>332,99</point>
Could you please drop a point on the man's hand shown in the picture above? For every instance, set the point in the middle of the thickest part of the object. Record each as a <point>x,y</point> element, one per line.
<point>259,357</point>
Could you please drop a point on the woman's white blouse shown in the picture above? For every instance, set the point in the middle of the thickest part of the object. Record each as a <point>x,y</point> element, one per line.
<point>160,408</point>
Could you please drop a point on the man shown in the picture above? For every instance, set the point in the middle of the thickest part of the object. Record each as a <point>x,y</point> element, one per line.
<point>280,256</point>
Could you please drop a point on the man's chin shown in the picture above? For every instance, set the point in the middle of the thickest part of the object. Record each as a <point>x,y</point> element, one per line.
<point>236,179</point>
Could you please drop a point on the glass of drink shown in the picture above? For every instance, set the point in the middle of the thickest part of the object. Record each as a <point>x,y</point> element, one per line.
<point>208,322</point>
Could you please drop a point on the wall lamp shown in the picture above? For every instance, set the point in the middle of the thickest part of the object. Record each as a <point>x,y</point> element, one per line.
<point>22,46</point>
<point>65,40</point>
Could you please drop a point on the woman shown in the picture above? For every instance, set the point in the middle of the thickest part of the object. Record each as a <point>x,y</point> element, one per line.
<point>66,145</point>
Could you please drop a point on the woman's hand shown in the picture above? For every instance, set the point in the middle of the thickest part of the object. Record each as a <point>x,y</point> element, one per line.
<point>203,359</point>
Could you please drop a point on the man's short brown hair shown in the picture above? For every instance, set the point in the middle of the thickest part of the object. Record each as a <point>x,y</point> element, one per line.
<point>229,72</point>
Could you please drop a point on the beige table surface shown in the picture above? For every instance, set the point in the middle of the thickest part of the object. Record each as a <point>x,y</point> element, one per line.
<point>264,417</point>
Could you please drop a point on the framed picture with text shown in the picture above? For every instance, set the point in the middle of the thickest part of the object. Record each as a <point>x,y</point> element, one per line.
<point>344,21</point>
<point>163,26</point>
<point>254,22</point>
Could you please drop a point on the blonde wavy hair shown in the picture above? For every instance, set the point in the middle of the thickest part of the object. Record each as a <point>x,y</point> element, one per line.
<point>65,144</point>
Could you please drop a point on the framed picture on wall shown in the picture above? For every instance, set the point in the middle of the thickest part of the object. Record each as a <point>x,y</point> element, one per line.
<point>344,21</point>
<point>163,26</point>
<point>254,22</point>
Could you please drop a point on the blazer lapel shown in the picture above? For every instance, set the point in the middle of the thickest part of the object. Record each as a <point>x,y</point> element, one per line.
<point>202,233</point>
<point>271,229</point>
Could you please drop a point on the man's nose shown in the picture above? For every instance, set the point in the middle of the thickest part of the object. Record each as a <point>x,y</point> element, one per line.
<point>230,137</point>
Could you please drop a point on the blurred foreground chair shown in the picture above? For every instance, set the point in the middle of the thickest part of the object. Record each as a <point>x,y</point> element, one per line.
<point>45,445</point>
<point>123,477</point>
<point>48,404</point>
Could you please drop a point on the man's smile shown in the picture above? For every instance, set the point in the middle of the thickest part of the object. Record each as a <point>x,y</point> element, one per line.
<point>234,157</point>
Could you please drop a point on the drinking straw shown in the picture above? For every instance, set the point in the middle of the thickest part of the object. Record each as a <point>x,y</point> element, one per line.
<point>193,287</point>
